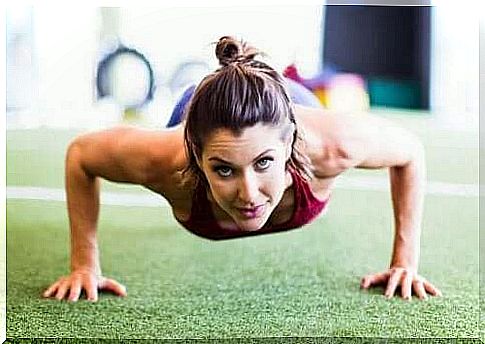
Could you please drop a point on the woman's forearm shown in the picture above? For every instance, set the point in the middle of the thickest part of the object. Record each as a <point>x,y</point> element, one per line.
<point>407,188</point>
<point>82,192</point>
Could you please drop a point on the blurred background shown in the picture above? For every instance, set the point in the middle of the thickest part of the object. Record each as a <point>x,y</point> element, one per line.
<point>95,67</point>
<point>71,69</point>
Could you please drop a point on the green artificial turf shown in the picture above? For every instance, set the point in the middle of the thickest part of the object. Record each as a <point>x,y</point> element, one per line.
<point>301,283</point>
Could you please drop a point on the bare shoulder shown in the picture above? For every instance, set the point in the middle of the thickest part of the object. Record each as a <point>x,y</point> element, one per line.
<point>134,155</point>
<point>334,129</point>
<point>325,140</point>
<point>338,141</point>
<point>167,159</point>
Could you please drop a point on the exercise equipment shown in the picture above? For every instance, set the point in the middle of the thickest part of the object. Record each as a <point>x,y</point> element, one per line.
<point>335,90</point>
<point>126,76</point>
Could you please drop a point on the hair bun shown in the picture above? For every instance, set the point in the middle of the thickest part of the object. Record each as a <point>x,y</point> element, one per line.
<point>229,50</point>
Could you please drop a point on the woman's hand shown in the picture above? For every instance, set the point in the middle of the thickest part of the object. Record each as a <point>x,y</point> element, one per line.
<point>408,279</point>
<point>70,287</point>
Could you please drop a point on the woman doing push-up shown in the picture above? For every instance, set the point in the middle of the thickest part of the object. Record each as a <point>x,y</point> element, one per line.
<point>245,160</point>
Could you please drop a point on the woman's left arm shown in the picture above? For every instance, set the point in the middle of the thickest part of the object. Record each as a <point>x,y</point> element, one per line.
<point>371,142</point>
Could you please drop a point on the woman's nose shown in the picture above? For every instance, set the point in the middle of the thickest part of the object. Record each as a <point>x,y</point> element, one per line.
<point>248,189</point>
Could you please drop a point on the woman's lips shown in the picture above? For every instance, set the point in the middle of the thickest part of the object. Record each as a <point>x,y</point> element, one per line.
<point>251,213</point>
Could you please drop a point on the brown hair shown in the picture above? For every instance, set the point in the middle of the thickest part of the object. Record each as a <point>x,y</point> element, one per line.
<point>240,94</point>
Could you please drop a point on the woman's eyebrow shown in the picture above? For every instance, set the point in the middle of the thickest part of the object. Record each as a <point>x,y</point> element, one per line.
<point>215,158</point>
<point>263,153</point>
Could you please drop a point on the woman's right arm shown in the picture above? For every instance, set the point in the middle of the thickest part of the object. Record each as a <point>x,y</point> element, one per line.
<point>122,155</point>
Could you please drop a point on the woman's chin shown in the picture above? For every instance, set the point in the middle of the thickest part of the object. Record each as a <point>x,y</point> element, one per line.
<point>251,225</point>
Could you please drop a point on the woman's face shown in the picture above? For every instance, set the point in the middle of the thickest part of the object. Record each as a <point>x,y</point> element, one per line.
<point>246,173</point>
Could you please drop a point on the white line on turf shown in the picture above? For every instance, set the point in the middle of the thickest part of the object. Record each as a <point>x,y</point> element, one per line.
<point>150,199</point>
<point>109,198</point>
<point>382,184</point>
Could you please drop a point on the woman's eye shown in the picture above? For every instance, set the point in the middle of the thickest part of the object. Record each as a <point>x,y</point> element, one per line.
<point>264,163</point>
<point>224,171</point>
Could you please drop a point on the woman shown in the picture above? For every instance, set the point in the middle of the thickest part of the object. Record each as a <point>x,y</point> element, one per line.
<point>246,161</point>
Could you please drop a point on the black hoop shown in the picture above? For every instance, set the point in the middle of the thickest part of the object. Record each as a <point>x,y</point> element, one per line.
<point>102,75</point>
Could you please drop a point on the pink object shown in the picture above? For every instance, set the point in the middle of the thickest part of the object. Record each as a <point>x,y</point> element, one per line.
<point>318,81</point>
<point>347,79</point>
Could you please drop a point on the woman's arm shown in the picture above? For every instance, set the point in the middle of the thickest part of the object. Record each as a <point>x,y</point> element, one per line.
<point>402,152</point>
<point>407,189</point>
<point>122,155</point>
<point>365,141</point>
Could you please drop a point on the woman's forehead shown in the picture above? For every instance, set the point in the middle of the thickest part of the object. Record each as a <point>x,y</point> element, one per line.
<point>256,131</point>
<point>251,141</point>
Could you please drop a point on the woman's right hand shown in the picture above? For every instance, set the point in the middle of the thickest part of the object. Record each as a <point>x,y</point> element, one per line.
<point>70,287</point>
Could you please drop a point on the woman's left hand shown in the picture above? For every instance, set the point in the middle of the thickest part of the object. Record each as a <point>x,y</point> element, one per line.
<point>408,279</point>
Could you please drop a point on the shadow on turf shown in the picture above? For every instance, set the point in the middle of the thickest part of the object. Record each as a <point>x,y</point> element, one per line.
<point>291,340</point>
<point>380,290</point>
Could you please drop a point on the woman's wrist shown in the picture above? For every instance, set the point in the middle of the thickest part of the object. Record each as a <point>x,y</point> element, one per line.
<point>86,269</point>
<point>406,254</point>
<point>408,260</point>
<point>88,263</point>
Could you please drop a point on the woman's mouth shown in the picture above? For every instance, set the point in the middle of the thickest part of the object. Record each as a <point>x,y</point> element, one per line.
<point>253,212</point>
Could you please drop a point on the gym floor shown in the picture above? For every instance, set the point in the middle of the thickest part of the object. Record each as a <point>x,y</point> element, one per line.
<point>301,283</point>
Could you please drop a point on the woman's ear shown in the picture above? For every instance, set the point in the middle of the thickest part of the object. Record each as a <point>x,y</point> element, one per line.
<point>289,149</point>
<point>287,136</point>
<point>199,161</point>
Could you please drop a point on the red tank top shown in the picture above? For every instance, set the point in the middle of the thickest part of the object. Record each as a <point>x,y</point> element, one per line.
<point>202,222</point>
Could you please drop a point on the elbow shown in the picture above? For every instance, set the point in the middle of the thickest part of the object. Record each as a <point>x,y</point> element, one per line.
<point>412,152</point>
<point>73,151</point>
<point>418,152</point>
<point>416,165</point>
<point>413,159</point>
<point>73,158</point>
<point>421,160</point>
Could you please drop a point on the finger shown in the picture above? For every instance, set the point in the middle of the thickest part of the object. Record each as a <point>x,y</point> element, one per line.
<point>374,279</point>
<point>406,285</point>
<point>365,282</point>
<point>75,290</point>
<point>52,289</point>
<point>419,289</point>
<point>431,289</point>
<point>392,283</point>
<point>62,290</point>
<point>91,289</point>
<point>113,286</point>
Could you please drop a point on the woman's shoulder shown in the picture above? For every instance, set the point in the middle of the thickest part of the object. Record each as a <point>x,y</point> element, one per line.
<point>317,123</point>
<point>168,159</point>
<point>323,135</point>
